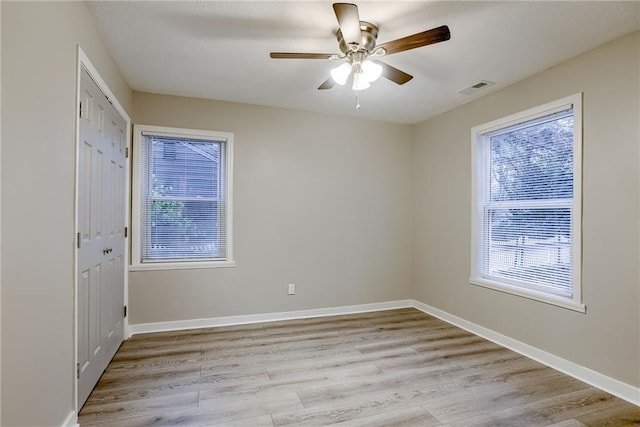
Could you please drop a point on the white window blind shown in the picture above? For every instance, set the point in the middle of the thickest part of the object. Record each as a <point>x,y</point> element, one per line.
<point>526,205</point>
<point>183,198</point>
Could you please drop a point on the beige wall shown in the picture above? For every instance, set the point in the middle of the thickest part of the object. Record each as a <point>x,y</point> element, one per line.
<point>38,121</point>
<point>320,201</point>
<point>607,338</point>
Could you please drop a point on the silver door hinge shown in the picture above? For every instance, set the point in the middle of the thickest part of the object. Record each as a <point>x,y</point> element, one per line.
<point>126,152</point>
<point>79,240</point>
<point>80,109</point>
<point>126,232</point>
<point>125,311</point>
<point>78,371</point>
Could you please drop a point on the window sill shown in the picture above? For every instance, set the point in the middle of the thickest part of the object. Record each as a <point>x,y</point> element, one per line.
<point>530,294</point>
<point>181,265</point>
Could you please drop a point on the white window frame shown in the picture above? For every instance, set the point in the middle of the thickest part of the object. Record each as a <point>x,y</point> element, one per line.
<point>477,196</point>
<point>136,261</point>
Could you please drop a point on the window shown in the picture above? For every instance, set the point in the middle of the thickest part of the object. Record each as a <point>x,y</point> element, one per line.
<point>527,203</point>
<point>182,198</point>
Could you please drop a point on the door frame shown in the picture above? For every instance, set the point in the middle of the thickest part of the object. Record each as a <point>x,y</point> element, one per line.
<point>83,61</point>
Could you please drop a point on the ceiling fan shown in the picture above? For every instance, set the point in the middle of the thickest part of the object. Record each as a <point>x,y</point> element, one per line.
<point>357,42</point>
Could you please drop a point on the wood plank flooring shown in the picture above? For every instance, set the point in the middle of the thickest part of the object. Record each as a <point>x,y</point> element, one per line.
<point>388,368</point>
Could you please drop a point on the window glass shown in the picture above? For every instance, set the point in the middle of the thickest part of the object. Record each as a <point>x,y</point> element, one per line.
<point>527,204</point>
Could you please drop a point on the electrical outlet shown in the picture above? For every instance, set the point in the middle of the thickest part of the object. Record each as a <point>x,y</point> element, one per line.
<point>292,289</point>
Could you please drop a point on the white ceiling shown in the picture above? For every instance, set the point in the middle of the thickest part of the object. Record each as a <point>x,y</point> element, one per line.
<point>220,49</point>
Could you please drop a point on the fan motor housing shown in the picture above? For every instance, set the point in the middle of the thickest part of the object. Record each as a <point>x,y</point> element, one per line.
<point>369,37</point>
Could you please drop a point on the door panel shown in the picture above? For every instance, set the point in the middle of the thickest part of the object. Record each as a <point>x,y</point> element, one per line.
<point>97,195</point>
<point>83,315</point>
<point>101,219</point>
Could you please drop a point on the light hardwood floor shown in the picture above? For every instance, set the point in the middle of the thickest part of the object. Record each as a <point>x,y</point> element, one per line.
<point>388,368</point>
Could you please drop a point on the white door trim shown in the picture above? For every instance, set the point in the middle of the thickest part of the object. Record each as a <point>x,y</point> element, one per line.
<point>83,61</point>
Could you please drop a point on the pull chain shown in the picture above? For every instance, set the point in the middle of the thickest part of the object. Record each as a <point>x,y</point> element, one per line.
<point>357,101</point>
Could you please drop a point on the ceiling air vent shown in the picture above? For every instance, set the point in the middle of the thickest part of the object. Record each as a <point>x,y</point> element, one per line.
<point>476,87</point>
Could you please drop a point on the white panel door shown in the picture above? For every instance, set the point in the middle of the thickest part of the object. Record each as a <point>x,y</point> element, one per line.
<point>101,240</point>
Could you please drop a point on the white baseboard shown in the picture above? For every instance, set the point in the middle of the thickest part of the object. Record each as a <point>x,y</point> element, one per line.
<point>144,328</point>
<point>71,420</point>
<point>610,385</point>
<point>125,327</point>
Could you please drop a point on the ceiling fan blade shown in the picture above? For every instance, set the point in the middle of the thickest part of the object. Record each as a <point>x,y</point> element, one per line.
<point>393,74</point>
<point>349,22</point>
<point>434,35</point>
<point>288,55</point>
<point>327,84</point>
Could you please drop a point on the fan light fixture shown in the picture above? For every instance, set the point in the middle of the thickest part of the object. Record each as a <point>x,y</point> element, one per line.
<point>360,81</point>
<point>340,74</point>
<point>364,72</point>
